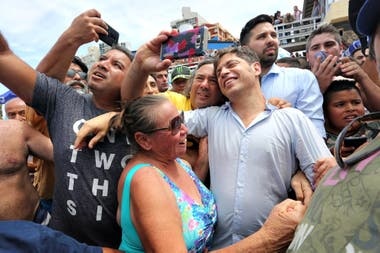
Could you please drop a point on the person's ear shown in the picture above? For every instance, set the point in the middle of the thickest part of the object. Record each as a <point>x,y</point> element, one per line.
<point>143,140</point>
<point>256,66</point>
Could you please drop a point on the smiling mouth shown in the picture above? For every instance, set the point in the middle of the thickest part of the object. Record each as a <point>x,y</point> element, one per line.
<point>228,82</point>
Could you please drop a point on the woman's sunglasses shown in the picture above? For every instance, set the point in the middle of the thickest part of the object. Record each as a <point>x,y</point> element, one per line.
<point>174,125</point>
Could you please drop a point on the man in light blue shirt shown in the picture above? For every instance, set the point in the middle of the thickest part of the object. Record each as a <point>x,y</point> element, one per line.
<point>253,149</point>
<point>297,86</point>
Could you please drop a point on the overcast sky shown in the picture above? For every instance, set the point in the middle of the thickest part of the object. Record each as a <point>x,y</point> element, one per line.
<point>31,27</point>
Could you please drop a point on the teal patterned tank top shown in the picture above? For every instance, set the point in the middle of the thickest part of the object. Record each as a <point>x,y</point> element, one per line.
<point>198,220</point>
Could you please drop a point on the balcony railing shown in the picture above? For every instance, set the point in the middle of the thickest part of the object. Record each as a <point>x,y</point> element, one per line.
<point>293,36</point>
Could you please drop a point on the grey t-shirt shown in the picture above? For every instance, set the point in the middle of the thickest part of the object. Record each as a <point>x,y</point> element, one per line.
<point>85,193</point>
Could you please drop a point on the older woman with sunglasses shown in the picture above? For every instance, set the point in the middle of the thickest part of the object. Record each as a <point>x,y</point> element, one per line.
<point>163,206</point>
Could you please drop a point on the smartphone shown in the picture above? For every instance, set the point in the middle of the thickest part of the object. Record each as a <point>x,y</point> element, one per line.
<point>112,38</point>
<point>322,55</point>
<point>185,44</point>
<point>354,141</point>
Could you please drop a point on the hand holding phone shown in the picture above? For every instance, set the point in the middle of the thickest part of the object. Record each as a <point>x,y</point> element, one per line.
<point>322,55</point>
<point>112,38</point>
<point>185,44</point>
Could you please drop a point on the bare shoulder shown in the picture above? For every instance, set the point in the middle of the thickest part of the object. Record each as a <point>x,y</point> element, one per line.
<point>13,151</point>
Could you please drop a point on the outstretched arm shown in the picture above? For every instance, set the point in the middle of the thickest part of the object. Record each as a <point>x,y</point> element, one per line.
<point>94,130</point>
<point>147,60</point>
<point>15,74</point>
<point>84,28</point>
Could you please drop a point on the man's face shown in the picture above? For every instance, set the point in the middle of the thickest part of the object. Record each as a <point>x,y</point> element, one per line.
<point>359,57</point>
<point>236,77</point>
<point>205,90</point>
<point>179,85</point>
<point>162,80</point>
<point>15,109</point>
<point>108,73</point>
<point>150,86</point>
<point>342,107</point>
<point>265,43</point>
<point>75,77</point>
<point>323,42</point>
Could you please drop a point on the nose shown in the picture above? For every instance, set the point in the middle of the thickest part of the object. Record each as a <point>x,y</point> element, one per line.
<point>204,84</point>
<point>350,107</point>
<point>20,118</point>
<point>77,77</point>
<point>184,128</point>
<point>103,65</point>
<point>270,39</point>
<point>149,90</point>
<point>223,72</point>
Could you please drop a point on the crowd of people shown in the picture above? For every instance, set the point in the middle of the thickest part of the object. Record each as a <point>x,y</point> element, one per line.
<point>245,153</point>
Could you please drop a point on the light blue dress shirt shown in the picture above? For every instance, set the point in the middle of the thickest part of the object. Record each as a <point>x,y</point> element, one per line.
<point>300,88</point>
<point>251,167</point>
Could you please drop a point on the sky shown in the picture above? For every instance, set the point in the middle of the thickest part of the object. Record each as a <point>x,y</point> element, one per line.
<point>31,27</point>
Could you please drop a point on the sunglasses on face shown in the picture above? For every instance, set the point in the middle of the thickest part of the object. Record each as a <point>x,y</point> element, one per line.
<point>71,73</point>
<point>174,125</point>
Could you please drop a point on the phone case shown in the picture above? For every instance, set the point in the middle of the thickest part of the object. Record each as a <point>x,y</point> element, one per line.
<point>354,141</point>
<point>112,38</point>
<point>186,44</point>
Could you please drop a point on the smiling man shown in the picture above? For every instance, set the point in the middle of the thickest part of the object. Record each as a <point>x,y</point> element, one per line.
<point>85,203</point>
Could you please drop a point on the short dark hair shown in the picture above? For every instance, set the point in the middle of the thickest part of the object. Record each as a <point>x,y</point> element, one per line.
<point>78,61</point>
<point>325,28</point>
<point>125,50</point>
<point>244,34</point>
<point>242,52</point>
<point>336,86</point>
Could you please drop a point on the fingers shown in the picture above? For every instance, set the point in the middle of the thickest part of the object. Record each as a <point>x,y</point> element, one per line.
<point>307,193</point>
<point>98,137</point>
<point>321,167</point>
<point>81,137</point>
<point>92,13</point>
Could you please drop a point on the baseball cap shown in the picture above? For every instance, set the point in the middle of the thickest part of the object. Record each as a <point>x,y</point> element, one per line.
<point>5,97</point>
<point>180,72</point>
<point>355,46</point>
<point>368,17</point>
<point>78,61</point>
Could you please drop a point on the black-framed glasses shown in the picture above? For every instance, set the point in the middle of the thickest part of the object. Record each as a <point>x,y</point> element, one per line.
<point>360,154</point>
<point>174,125</point>
<point>71,73</point>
